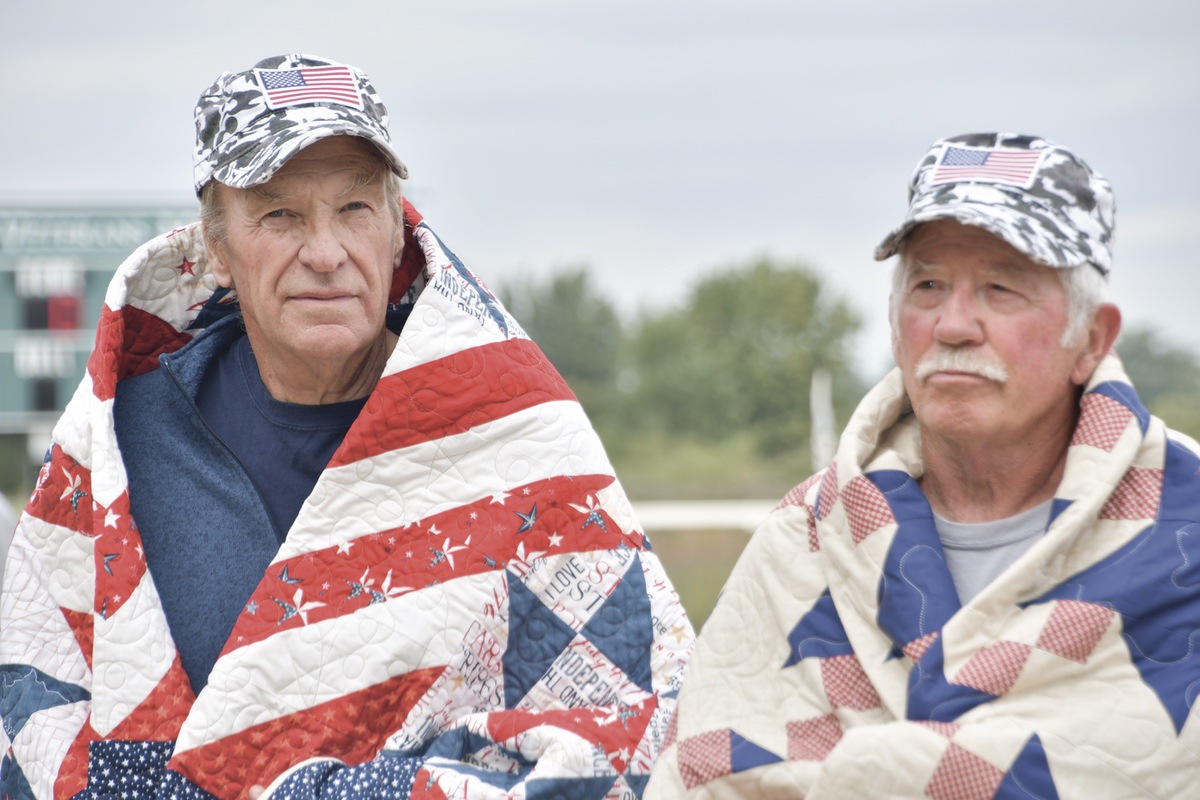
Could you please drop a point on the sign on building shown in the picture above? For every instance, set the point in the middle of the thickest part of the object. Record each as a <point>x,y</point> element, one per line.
<point>55,266</point>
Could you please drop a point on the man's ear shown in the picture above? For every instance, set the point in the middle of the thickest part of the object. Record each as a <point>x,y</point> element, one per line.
<point>218,265</point>
<point>398,247</point>
<point>1101,335</point>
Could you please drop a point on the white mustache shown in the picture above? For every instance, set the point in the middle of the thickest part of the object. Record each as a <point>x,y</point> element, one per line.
<point>970,361</point>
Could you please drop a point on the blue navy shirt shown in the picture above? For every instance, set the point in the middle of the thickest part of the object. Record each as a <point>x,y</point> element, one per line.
<point>214,492</point>
<point>283,446</point>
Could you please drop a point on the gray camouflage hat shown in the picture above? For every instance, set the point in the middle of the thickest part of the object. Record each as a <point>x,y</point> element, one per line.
<point>1039,197</point>
<point>249,123</point>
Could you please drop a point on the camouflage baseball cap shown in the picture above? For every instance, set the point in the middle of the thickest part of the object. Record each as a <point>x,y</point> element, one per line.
<point>249,123</point>
<point>1039,197</point>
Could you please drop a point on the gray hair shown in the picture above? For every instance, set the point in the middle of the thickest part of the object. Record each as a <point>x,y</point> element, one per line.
<point>1085,286</point>
<point>212,211</point>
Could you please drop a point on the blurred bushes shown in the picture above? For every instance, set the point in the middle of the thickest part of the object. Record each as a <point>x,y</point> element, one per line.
<point>707,399</point>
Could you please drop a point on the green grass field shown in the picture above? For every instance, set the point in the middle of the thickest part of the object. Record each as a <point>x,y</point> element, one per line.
<point>698,562</point>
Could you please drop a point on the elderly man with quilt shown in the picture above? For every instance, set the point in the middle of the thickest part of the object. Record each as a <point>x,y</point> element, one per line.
<point>994,589</point>
<point>321,521</point>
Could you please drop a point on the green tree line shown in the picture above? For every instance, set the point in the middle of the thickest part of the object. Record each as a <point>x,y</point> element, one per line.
<point>710,398</point>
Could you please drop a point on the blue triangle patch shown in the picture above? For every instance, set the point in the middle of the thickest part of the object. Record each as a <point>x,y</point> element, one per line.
<point>932,697</point>
<point>13,782</point>
<point>622,628</point>
<point>916,593</point>
<point>637,783</point>
<point>745,754</point>
<point>573,788</point>
<point>1153,582</point>
<point>536,637</point>
<point>1029,778</point>
<point>818,633</point>
<point>1057,507</point>
<point>24,691</point>
<point>458,743</point>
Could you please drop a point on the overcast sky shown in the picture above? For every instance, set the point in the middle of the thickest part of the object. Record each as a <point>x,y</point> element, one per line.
<point>655,142</point>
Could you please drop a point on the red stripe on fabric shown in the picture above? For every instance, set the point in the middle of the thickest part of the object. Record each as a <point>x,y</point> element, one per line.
<point>475,538</point>
<point>72,772</point>
<point>412,217</point>
<point>160,716</point>
<point>83,626</point>
<point>353,727</point>
<point>120,559</point>
<point>64,498</point>
<point>425,787</point>
<point>451,395</point>
<point>129,342</point>
<point>63,495</point>
<point>618,733</point>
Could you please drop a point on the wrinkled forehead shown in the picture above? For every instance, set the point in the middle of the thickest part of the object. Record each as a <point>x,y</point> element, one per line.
<point>335,154</point>
<point>347,160</point>
<point>944,243</point>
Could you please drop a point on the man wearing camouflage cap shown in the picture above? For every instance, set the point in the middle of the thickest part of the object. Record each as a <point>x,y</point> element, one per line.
<point>992,591</point>
<point>321,521</point>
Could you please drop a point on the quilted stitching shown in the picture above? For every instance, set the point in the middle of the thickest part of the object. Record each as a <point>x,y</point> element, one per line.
<point>467,579</point>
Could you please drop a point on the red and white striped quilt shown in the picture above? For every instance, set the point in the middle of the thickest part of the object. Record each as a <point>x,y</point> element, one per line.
<point>467,589</point>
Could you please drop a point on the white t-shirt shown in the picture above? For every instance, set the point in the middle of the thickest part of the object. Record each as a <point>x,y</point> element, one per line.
<point>977,552</point>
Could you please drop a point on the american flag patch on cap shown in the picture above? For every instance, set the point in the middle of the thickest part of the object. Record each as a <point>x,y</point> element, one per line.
<point>294,87</point>
<point>1013,167</point>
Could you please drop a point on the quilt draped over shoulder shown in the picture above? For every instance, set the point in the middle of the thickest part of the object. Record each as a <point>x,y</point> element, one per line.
<point>838,662</point>
<point>466,605</point>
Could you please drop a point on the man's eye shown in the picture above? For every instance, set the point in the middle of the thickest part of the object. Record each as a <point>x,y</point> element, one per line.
<point>277,213</point>
<point>355,206</point>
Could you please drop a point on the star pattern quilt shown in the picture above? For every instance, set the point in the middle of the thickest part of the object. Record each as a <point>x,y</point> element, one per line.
<point>839,663</point>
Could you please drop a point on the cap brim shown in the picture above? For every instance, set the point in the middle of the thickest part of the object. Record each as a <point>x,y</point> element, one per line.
<point>269,150</point>
<point>1009,224</point>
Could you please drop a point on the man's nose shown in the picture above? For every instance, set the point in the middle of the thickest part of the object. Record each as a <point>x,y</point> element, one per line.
<point>322,250</point>
<point>959,321</point>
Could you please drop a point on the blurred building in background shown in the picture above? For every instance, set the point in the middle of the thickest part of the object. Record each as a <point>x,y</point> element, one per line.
<point>55,265</point>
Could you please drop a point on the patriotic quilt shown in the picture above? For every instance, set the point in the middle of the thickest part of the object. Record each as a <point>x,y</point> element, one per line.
<point>466,606</point>
<point>838,662</point>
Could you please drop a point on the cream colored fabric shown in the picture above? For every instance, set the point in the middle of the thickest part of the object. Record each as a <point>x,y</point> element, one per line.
<point>837,663</point>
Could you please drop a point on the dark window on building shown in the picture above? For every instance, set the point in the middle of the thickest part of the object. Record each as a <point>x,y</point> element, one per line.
<point>45,394</point>
<point>36,313</point>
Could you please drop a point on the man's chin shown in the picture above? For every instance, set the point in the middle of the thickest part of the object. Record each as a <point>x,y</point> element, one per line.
<point>333,341</point>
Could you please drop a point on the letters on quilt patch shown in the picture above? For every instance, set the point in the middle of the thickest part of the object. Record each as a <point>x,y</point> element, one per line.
<point>563,629</point>
<point>457,283</point>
